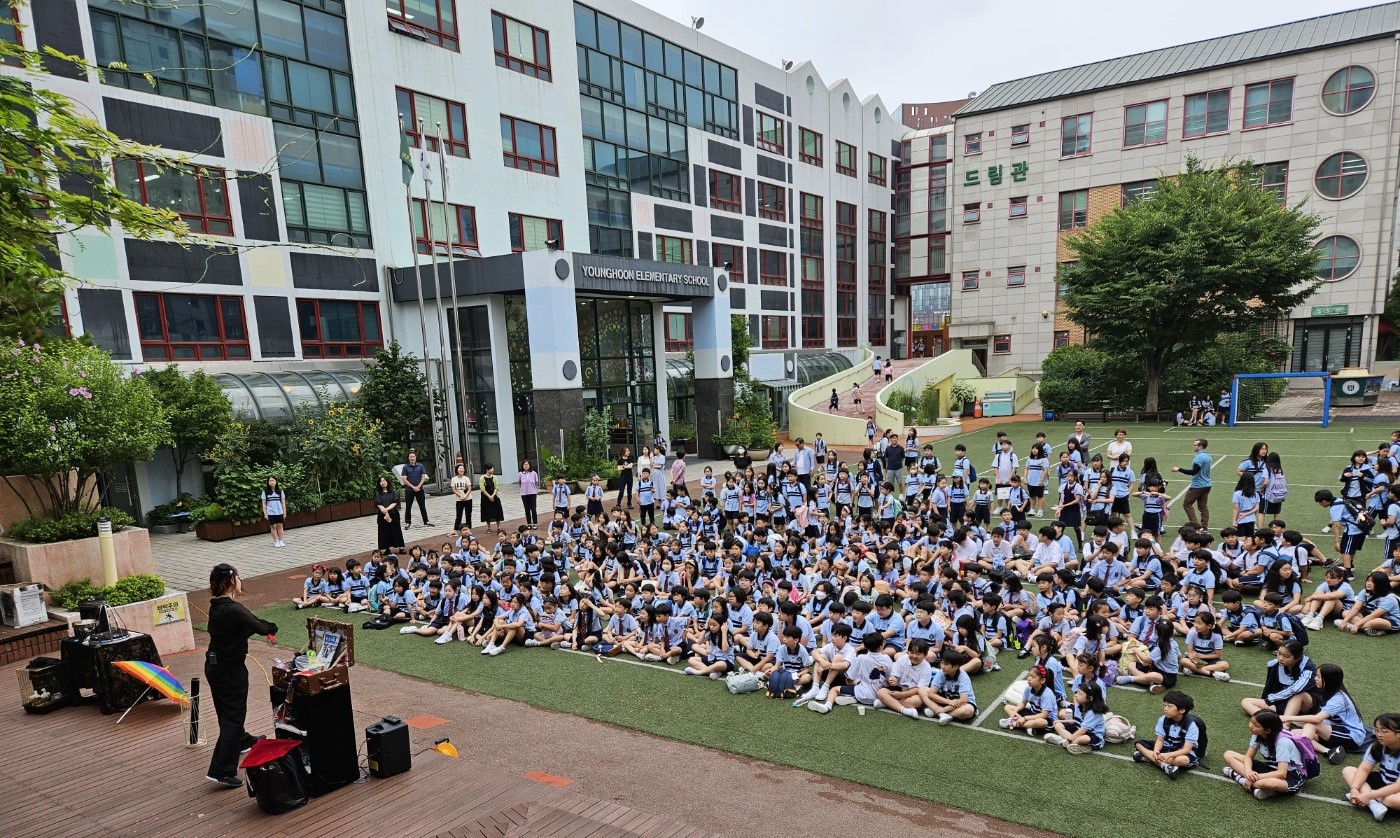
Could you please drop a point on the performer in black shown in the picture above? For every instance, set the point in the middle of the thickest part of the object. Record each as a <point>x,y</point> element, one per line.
<point>230,626</point>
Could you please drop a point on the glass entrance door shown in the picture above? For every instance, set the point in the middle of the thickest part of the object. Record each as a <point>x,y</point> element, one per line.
<point>618,354</point>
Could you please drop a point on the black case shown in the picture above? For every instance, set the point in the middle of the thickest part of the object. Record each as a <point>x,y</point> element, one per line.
<point>387,743</point>
<point>278,785</point>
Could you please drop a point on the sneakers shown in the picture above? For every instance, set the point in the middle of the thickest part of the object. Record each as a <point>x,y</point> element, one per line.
<point>1170,770</point>
<point>444,639</point>
<point>822,692</point>
<point>819,708</point>
<point>1232,775</point>
<point>496,650</point>
<point>1337,622</point>
<point>672,659</point>
<point>1263,794</point>
<point>654,658</point>
<point>1156,689</point>
<point>1004,724</point>
<point>715,676</point>
<point>878,704</point>
<point>845,700</point>
<point>408,525</point>
<point>1336,755</point>
<point>1313,623</point>
<point>1076,749</point>
<point>1222,677</point>
<point>995,667</point>
<point>1023,654</point>
<point>928,711</point>
<point>1378,810</point>
<point>1241,643</point>
<point>1054,739</point>
<point>690,670</point>
<point>910,712</point>
<point>249,741</point>
<point>408,630</point>
<point>531,642</point>
<point>1376,632</point>
<point>804,698</point>
<point>1124,680</point>
<point>279,543</point>
<point>235,783</point>
<point>945,719</point>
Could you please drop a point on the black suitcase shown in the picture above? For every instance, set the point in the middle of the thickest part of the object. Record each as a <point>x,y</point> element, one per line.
<point>276,769</point>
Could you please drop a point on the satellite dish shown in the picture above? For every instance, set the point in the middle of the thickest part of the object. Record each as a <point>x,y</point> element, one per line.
<point>697,22</point>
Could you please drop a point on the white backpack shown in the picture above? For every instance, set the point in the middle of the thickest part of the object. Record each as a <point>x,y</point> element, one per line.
<point>1117,730</point>
<point>743,682</point>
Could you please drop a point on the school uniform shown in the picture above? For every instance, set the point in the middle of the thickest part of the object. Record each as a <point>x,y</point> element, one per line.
<point>959,685</point>
<point>867,675</point>
<point>1088,721</point>
<point>1269,755</point>
<point>1175,735</point>
<point>1120,482</point>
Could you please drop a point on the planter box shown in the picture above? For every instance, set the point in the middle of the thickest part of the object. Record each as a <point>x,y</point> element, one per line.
<point>367,508</point>
<point>167,619</point>
<point>245,530</point>
<point>294,520</point>
<point>54,565</point>
<point>164,529</point>
<point>344,511</point>
<point>214,530</point>
<point>323,515</point>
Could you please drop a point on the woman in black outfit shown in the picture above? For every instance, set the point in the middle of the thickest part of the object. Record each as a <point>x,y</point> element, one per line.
<point>230,626</point>
<point>386,500</point>
<point>625,467</point>
<point>491,511</point>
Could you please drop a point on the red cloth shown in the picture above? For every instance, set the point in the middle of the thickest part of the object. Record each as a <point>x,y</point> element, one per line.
<point>268,750</point>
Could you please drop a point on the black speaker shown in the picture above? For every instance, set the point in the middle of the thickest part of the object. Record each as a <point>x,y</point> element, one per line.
<point>386,742</point>
<point>325,724</point>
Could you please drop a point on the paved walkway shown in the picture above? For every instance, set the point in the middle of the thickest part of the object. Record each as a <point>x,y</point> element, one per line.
<point>871,385</point>
<point>183,560</point>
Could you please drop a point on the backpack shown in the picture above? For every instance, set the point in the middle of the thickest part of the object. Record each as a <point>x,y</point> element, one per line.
<point>739,683</point>
<point>1363,519</point>
<point>1300,631</point>
<point>971,475</point>
<point>1203,741</point>
<point>1311,767</point>
<point>1117,730</point>
<point>781,684</point>
<point>898,507</point>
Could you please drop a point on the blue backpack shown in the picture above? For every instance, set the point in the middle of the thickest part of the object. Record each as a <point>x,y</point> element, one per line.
<point>781,684</point>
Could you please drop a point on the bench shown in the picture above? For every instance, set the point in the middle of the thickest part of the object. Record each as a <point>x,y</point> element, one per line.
<point>180,519</point>
<point>1085,416</point>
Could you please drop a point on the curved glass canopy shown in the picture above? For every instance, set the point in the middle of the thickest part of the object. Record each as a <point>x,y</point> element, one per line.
<point>276,394</point>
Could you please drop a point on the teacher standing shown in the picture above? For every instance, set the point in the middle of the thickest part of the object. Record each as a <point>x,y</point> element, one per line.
<point>230,626</point>
<point>1198,493</point>
<point>491,509</point>
<point>386,500</point>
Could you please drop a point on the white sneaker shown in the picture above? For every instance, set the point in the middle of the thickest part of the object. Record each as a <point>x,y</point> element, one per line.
<point>496,650</point>
<point>715,676</point>
<point>1337,622</point>
<point>845,700</point>
<point>652,657</point>
<point>910,712</point>
<point>1004,724</point>
<point>805,698</point>
<point>1378,809</point>
<point>822,693</point>
<point>1054,739</point>
<point>690,670</point>
<point>444,639</point>
<point>1263,794</point>
<point>531,642</point>
<point>879,705</point>
<point>407,630</point>
<point>486,650</point>
<point>672,659</point>
<point>945,719</point>
<point>819,708</point>
<point>1222,677</point>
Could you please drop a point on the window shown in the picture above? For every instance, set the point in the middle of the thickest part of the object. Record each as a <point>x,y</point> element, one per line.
<point>772,201</point>
<point>9,32</point>
<point>772,268</point>
<point>970,280</point>
<point>726,191</point>
<point>732,254</point>
<point>1268,103</point>
<point>901,260</point>
<point>1273,177</point>
<point>197,194</point>
<point>520,46</point>
<point>878,258</point>
<point>1337,257</point>
<point>1074,209</point>
<point>1138,190</point>
<point>678,334</point>
<point>1001,344</point>
<point>972,143</point>
<point>1074,134</point>
<point>1348,90</point>
<point>338,328</point>
<point>846,250</point>
<point>529,146</point>
<point>1340,176</point>
<point>938,148</point>
<point>434,21</point>
<point>675,250</point>
<point>1020,135</point>
<point>1206,114</point>
<point>937,198</point>
<point>812,247</point>
<point>770,133</point>
<point>1016,277</point>
<point>1060,339</point>
<point>809,146</point>
<point>972,213</point>
<point>438,118</point>
<point>435,237</point>
<point>845,159</point>
<point>1019,207</point>
<point>1145,124</point>
<point>937,255</point>
<point>530,233</point>
<point>877,169</point>
<point>325,214</point>
<point>190,327</point>
<point>775,331</point>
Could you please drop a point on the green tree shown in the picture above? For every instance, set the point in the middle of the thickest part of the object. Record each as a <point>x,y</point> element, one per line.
<point>67,414</point>
<point>1209,254</point>
<point>740,343</point>
<point>46,146</point>
<point>196,412</point>
<point>396,393</point>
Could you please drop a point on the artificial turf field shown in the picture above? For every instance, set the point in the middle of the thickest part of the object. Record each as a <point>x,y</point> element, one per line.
<point>982,768</point>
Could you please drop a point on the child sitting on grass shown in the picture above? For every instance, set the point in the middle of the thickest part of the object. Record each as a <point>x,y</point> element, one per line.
<point>1177,744</point>
<point>949,696</point>
<point>1375,784</point>
<point>314,591</point>
<point>1272,765</point>
<point>1084,732</point>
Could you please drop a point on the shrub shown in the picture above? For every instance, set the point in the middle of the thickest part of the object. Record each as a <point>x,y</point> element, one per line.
<point>208,512</point>
<point>1076,378</point>
<point>905,403</point>
<point>928,405</point>
<point>138,588</point>
<point>45,530</point>
<point>184,502</point>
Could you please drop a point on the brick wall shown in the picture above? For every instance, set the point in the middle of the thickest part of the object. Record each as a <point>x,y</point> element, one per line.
<point>23,647</point>
<point>1102,201</point>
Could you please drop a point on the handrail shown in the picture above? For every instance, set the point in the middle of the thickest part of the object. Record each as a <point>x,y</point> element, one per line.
<point>805,420</point>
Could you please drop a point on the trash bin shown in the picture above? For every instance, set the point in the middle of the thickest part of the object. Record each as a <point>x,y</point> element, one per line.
<point>1356,387</point>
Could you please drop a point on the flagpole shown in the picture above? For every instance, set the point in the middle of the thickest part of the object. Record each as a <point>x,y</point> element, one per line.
<point>444,458</point>
<point>407,159</point>
<point>452,226</point>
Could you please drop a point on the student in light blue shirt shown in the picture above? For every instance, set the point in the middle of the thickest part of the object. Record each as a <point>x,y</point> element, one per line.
<point>949,696</point>
<point>1157,666</point>
<point>1329,716</point>
<point>1083,732</point>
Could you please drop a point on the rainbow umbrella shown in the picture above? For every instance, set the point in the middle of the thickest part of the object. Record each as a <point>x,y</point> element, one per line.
<point>156,677</point>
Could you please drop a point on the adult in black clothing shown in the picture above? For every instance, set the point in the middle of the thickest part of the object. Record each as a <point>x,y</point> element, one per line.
<point>230,626</point>
<point>625,467</point>
<point>386,500</point>
<point>742,461</point>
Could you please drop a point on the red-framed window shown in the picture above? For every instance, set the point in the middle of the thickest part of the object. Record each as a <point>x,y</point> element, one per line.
<point>9,29</point>
<point>812,256</point>
<point>1273,177</point>
<point>846,249</point>
<point>809,146</point>
<point>530,233</point>
<point>1019,207</point>
<point>1001,344</point>
<point>678,332</point>
<point>772,201</point>
<point>772,268</point>
<point>439,117</point>
<point>191,327</point>
<point>726,191</point>
<point>529,146</point>
<point>1206,113</point>
<point>1268,103</point>
<point>770,133</point>
<point>878,288</point>
<point>339,328</point>
<point>937,255</point>
<point>520,46</point>
<point>732,254</point>
<point>676,250</point>
<point>972,213</point>
<point>1075,134</point>
<point>972,143</point>
<point>1060,339</point>
<point>774,331</point>
<point>845,159</point>
<point>1020,135</point>
<point>1016,277</point>
<point>434,21</point>
<point>971,280</point>
<point>1074,209</point>
<point>197,194</point>
<point>1145,124</point>
<point>458,220</point>
<point>878,170</point>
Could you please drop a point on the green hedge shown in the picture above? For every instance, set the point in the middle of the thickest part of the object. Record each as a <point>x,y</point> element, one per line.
<point>75,525</point>
<point>138,588</point>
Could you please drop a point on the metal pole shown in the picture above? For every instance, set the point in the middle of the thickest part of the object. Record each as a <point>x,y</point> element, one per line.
<point>422,320</point>
<point>441,458</point>
<point>464,439</point>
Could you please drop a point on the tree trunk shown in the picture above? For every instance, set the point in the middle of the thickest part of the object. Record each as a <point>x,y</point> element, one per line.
<point>178,456</point>
<point>1154,385</point>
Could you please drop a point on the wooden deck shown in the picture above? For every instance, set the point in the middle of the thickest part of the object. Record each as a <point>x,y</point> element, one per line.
<point>76,773</point>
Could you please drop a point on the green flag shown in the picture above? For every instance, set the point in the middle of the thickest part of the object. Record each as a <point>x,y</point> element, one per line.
<point>405,155</point>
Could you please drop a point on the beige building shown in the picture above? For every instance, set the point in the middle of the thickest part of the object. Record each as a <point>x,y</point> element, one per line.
<point>1311,102</point>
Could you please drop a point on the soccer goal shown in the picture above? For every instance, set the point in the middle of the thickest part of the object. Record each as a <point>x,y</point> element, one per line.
<point>1281,397</point>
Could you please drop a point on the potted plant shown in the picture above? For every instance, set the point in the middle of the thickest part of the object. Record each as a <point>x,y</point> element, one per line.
<point>752,424</point>
<point>683,436</point>
<point>958,396</point>
<point>211,522</point>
